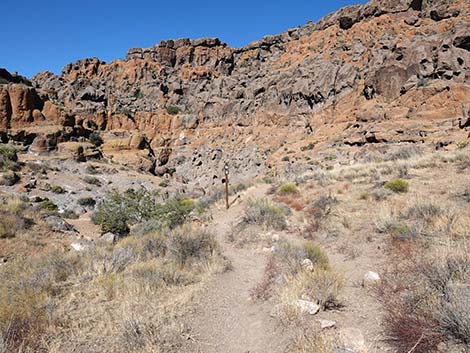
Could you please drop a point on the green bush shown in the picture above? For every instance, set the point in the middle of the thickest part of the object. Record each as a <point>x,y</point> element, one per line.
<point>9,178</point>
<point>48,206</point>
<point>316,255</point>
<point>119,211</point>
<point>174,212</point>
<point>56,189</point>
<point>397,185</point>
<point>287,189</point>
<point>8,152</point>
<point>262,212</point>
<point>172,109</point>
<point>95,139</point>
<point>308,147</point>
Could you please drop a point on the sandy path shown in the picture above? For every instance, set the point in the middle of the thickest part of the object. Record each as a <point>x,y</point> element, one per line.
<point>227,320</point>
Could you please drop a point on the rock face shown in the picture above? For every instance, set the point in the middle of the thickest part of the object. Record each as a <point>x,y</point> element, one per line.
<point>385,72</point>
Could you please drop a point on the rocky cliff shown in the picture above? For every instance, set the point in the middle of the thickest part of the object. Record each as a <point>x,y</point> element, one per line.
<point>367,77</point>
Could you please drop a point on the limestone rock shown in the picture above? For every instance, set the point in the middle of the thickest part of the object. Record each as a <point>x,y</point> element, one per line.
<point>59,225</point>
<point>307,306</point>
<point>109,238</point>
<point>325,324</point>
<point>307,264</point>
<point>370,278</point>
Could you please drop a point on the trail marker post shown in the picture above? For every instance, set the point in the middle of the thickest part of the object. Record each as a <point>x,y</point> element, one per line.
<point>226,171</point>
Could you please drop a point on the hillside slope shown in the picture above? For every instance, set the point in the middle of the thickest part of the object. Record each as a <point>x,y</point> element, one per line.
<point>367,77</point>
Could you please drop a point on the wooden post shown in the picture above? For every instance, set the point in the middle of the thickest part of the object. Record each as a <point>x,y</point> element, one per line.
<point>226,185</point>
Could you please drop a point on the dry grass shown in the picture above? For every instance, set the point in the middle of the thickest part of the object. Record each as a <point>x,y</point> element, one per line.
<point>127,298</point>
<point>317,342</point>
<point>262,212</point>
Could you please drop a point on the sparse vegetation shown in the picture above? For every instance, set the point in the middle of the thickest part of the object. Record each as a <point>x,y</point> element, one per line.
<point>86,201</point>
<point>308,147</point>
<point>57,189</point>
<point>191,245</point>
<point>96,139</point>
<point>48,206</point>
<point>264,213</point>
<point>9,178</point>
<point>173,109</point>
<point>397,185</point>
<point>92,180</point>
<point>425,301</point>
<point>136,269</point>
<point>288,189</point>
<point>8,158</point>
<point>403,153</point>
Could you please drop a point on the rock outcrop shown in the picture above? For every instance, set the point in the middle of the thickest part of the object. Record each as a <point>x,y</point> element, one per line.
<point>381,73</point>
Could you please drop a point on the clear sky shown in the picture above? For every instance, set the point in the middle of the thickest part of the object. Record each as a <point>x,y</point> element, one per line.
<point>38,35</point>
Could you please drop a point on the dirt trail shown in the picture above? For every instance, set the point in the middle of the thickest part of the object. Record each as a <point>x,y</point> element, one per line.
<point>227,320</point>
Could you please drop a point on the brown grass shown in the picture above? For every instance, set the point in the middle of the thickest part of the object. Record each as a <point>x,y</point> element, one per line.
<point>136,291</point>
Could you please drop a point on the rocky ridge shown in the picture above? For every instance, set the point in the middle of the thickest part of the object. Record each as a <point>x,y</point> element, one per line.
<point>367,77</point>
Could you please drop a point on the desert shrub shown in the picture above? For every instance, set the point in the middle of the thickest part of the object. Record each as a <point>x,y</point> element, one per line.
<point>315,254</point>
<point>287,189</point>
<point>323,285</point>
<point>26,286</point>
<point>309,341</point>
<point>402,153</point>
<point>92,180</point>
<point>71,214</point>
<point>95,139</point>
<point>172,109</point>
<point>285,159</point>
<point>10,223</point>
<point>381,194</point>
<point>238,187</point>
<point>118,211</point>
<point>205,202</point>
<point>175,212</point>
<point>186,244</point>
<point>8,152</point>
<point>164,183</point>
<point>8,158</point>
<point>319,211</point>
<point>147,227</point>
<point>426,300</point>
<point>397,185</point>
<point>9,178</point>
<point>113,221</point>
<point>48,206</point>
<point>152,246</point>
<point>289,256</point>
<point>263,213</point>
<point>424,211</point>
<point>323,207</point>
<point>86,201</point>
<point>56,189</point>
<point>308,147</point>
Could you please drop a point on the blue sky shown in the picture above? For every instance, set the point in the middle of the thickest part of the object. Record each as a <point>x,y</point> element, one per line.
<point>48,34</point>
